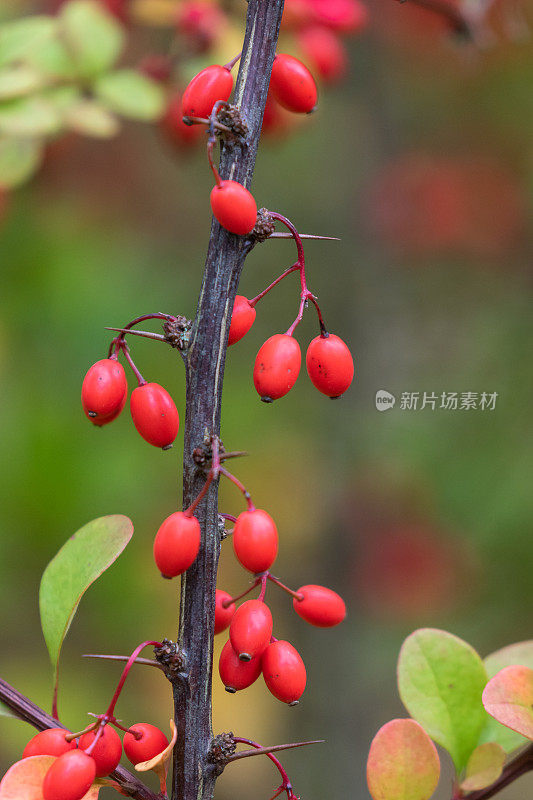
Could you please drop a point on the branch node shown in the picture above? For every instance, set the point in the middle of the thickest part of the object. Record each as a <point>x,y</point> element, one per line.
<point>264,226</point>
<point>172,659</point>
<point>231,117</point>
<point>177,332</point>
<point>222,747</point>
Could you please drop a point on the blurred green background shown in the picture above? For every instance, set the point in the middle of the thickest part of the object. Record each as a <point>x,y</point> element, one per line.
<point>421,163</point>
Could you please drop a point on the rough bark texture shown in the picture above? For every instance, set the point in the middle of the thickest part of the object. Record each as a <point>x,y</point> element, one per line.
<point>194,776</point>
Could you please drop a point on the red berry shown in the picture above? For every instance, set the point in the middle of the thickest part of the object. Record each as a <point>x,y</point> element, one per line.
<point>255,540</point>
<point>104,391</point>
<point>324,52</point>
<point>106,752</point>
<point>284,671</point>
<point>70,777</point>
<point>175,130</point>
<point>154,415</point>
<point>320,606</point>
<point>277,366</point>
<point>329,365</point>
<point>292,84</point>
<point>151,742</point>
<point>234,207</point>
<point>250,629</point>
<point>347,16</point>
<point>223,615</point>
<point>49,743</point>
<point>202,22</point>
<point>176,544</point>
<point>211,84</point>
<point>242,319</point>
<point>235,674</point>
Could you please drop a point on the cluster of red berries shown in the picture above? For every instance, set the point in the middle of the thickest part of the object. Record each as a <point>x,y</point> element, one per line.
<point>294,88</point>
<point>94,754</point>
<point>251,648</point>
<point>104,393</point>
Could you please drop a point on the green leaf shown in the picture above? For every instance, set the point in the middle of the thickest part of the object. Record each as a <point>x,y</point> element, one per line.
<point>403,763</point>
<point>20,80</point>
<point>441,680</point>
<point>23,36</point>
<point>508,697</point>
<point>131,94</point>
<point>484,766</point>
<point>520,653</point>
<point>93,37</point>
<point>91,119</point>
<point>81,560</point>
<point>29,117</point>
<point>19,159</point>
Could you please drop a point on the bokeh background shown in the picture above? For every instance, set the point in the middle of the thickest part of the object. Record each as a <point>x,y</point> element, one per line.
<point>420,162</point>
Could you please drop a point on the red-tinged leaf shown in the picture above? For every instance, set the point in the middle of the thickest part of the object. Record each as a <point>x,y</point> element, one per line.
<point>159,763</point>
<point>508,697</point>
<point>403,763</point>
<point>484,766</point>
<point>24,780</point>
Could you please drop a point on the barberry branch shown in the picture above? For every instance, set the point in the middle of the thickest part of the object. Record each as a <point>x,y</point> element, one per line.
<point>194,774</point>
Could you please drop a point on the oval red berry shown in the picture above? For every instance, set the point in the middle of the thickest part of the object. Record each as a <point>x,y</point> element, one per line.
<point>242,319</point>
<point>277,366</point>
<point>236,674</point>
<point>205,89</point>
<point>292,84</point>
<point>70,777</point>
<point>50,742</point>
<point>176,544</point>
<point>255,540</point>
<point>155,415</point>
<point>152,741</point>
<point>104,391</point>
<point>284,671</point>
<point>223,614</point>
<point>234,207</point>
<point>107,751</point>
<point>320,606</point>
<point>250,630</point>
<point>329,365</point>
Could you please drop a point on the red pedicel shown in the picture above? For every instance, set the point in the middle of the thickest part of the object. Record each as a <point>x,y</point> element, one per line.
<point>50,742</point>
<point>106,752</point>
<point>234,207</point>
<point>223,615</point>
<point>210,85</point>
<point>104,391</point>
<point>70,777</point>
<point>242,318</point>
<point>329,365</point>
<point>235,674</point>
<point>176,544</point>
<point>255,540</point>
<point>155,415</point>
<point>284,671</point>
<point>250,629</point>
<point>277,366</point>
<point>151,743</point>
<point>292,84</point>
<point>320,606</point>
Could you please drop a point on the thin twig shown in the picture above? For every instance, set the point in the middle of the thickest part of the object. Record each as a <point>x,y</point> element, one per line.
<point>275,748</point>
<point>147,661</point>
<point>283,235</point>
<point>146,334</point>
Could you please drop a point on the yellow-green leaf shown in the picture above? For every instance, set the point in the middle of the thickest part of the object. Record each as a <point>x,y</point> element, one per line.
<point>93,37</point>
<point>441,680</point>
<point>91,119</point>
<point>30,117</point>
<point>19,159</point>
<point>484,766</point>
<point>403,763</point>
<point>131,94</point>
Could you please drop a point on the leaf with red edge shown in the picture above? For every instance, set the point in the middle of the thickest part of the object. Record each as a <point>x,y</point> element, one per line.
<point>484,766</point>
<point>159,763</point>
<point>403,763</point>
<point>24,780</point>
<point>508,697</point>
